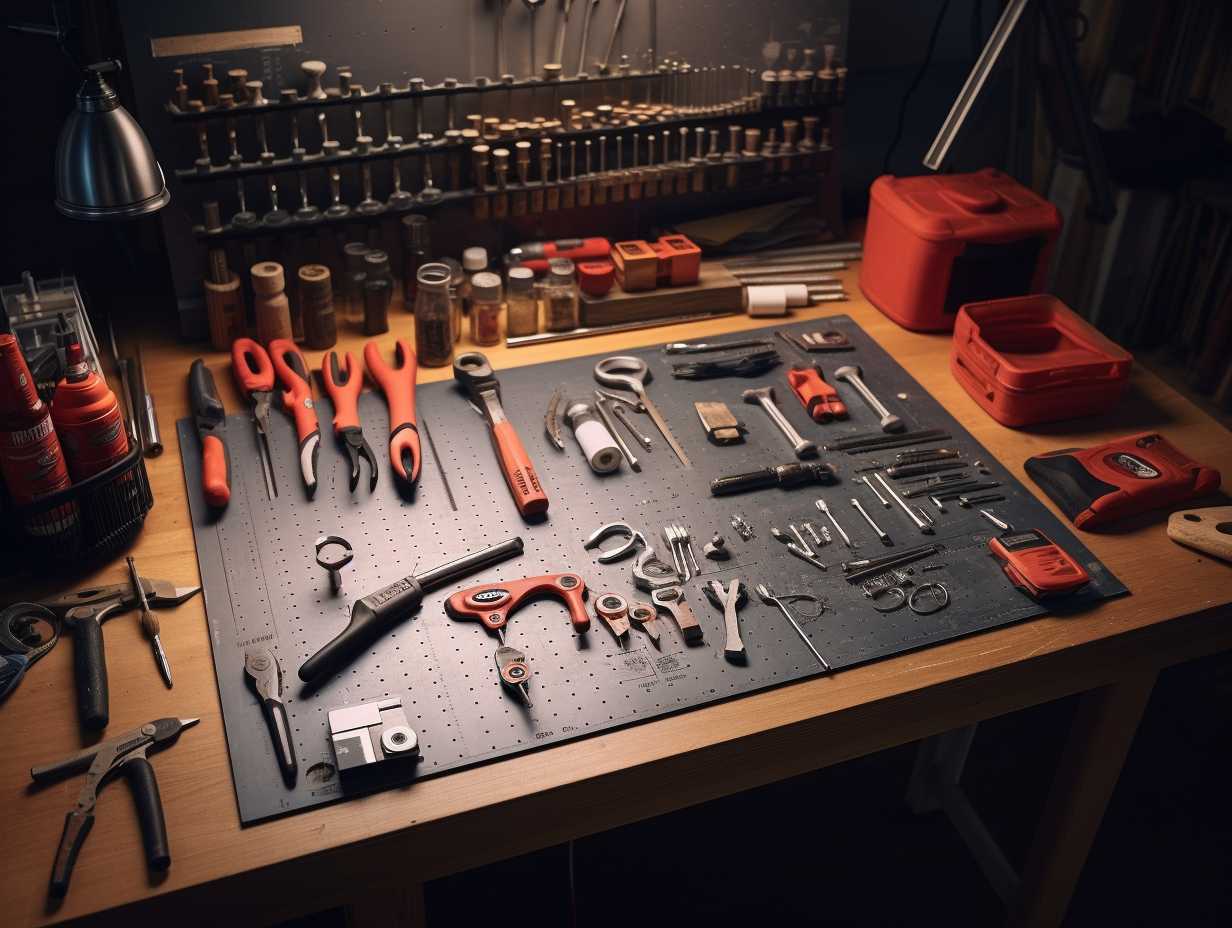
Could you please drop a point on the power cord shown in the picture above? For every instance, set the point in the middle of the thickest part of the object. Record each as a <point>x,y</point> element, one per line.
<point>915,85</point>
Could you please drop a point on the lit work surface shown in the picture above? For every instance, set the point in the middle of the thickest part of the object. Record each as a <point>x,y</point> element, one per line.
<point>394,839</point>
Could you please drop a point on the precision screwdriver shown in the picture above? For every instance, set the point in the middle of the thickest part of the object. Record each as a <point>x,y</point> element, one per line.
<point>149,623</point>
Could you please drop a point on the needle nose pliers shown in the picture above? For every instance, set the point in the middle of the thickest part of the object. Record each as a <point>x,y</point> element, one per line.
<point>343,384</point>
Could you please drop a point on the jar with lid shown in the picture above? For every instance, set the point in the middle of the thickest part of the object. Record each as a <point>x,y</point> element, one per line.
<point>457,293</point>
<point>378,290</point>
<point>485,308</point>
<point>433,319</point>
<point>522,317</point>
<point>353,281</point>
<point>417,250</point>
<point>474,261</point>
<point>560,297</point>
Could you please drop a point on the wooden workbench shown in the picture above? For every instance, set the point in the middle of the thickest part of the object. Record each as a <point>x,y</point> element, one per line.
<point>375,852</point>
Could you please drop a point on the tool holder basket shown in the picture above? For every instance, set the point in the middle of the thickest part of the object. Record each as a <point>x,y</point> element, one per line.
<point>86,523</point>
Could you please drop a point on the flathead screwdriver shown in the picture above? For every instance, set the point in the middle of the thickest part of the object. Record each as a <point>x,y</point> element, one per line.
<point>149,623</point>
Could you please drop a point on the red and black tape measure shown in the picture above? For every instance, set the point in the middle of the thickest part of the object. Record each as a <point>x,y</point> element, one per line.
<point>1037,565</point>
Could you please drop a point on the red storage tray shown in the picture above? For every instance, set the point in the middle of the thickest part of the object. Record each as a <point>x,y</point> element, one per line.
<point>1033,359</point>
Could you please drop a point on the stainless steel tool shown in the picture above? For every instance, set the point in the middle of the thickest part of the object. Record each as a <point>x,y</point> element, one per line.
<point>885,539</point>
<point>924,527</point>
<point>852,374</point>
<point>764,397</point>
<point>821,504</point>
<point>781,602</point>
<point>629,373</point>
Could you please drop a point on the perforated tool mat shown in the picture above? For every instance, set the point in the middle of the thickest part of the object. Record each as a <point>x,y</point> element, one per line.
<point>263,585</point>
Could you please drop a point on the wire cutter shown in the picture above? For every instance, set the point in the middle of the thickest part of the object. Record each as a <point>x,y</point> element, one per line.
<point>84,613</point>
<point>265,675</point>
<point>23,641</point>
<point>398,385</point>
<point>254,372</point>
<point>292,371</point>
<point>125,754</point>
<point>343,384</point>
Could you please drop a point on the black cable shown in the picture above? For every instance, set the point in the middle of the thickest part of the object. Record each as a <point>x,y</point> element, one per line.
<point>915,85</point>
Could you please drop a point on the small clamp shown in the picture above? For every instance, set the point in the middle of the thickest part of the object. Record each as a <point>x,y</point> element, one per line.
<point>628,546</point>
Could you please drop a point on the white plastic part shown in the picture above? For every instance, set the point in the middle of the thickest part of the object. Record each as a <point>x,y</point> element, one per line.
<point>601,452</point>
<point>766,301</point>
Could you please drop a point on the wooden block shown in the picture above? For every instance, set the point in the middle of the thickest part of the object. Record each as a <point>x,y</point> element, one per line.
<point>637,265</point>
<point>1207,530</point>
<point>716,291</point>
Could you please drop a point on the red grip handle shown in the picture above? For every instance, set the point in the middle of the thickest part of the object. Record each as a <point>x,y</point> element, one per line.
<point>297,391</point>
<point>251,365</point>
<point>215,471</point>
<point>515,464</point>
<point>815,395</point>
<point>397,383</point>
<point>491,603</point>
<point>343,390</point>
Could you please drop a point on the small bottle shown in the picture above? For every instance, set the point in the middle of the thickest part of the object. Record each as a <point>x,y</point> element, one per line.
<point>485,308</point>
<point>353,282</point>
<point>31,459</point>
<point>474,261</point>
<point>316,300</point>
<point>270,303</point>
<point>417,250</point>
<point>378,289</point>
<point>433,319</point>
<point>560,297</point>
<point>523,315</point>
<point>457,293</point>
<point>86,415</point>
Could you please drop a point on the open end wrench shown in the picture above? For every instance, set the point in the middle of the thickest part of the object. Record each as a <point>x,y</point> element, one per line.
<point>764,397</point>
<point>852,374</point>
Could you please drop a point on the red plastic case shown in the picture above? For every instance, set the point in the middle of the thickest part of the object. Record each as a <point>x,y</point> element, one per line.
<point>1033,359</point>
<point>936,242</point>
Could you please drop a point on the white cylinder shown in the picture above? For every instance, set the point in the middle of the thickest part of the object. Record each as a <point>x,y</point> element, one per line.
<point>766,301</point>
<point>601,452</point>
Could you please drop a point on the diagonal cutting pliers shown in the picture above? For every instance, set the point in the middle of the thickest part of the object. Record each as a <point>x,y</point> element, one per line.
<point>398,385</point>
<point>343,383</point>
<point>297,399</point>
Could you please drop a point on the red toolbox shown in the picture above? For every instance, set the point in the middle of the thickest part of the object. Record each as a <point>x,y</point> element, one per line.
<point>937,242</point>
<point>1033,359</point>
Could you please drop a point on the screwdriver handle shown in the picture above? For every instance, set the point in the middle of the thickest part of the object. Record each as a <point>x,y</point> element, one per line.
<point>252,367</point>
<point>149,623</point>
<point>146,798</point>
<point>519,471</point>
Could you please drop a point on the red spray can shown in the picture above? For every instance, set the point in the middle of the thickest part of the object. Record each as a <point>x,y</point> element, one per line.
<point>30,456</point>
<point>87,418</point>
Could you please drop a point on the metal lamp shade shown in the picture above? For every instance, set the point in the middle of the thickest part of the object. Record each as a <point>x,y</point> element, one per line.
<point>105,168</point>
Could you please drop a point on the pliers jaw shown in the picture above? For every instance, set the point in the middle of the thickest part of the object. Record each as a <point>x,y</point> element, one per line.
<point>356,446</point>
<point>404,454</point>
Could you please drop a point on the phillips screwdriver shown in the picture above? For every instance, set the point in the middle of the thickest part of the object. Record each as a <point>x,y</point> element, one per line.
<point>149,623</point>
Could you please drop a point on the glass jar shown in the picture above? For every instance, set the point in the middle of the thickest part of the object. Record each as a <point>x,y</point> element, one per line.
<point>486,306</point>
<point>560,297</point>
<point>522,317</point>
<point>474,261</point>
<point>417,250</point>
<point>457,293</point>
<point>353,281</point>
<point>378,290</point>
<point>433,319</point>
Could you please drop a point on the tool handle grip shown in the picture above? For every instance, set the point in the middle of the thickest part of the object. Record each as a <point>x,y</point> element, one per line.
<point>215,471</point>
<point>297,389</point>
<point>397,383</point>
<point>90,674</point>
<point>77,826</point>
<point>252,367</point>
<point>519,471</point>
<point>280,732</point>
<point>818,398</point>
<point>370,617</point>
<point>343,383</point>
<point>739,483</point>
<point>140,775</point>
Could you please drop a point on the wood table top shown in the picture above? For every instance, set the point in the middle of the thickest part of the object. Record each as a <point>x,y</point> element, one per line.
<point>1178,609</point>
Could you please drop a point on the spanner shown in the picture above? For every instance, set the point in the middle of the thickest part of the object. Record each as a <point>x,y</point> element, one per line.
<point>852,374</point>
<point>764,397</point>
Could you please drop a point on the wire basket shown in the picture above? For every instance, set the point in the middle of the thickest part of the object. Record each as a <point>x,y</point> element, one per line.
<point>88,522</point>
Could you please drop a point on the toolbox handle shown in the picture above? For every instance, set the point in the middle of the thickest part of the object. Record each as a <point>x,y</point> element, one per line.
<point>974,383</point>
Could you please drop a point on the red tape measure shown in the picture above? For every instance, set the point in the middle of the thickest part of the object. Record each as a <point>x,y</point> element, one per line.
<point>1037,565</point>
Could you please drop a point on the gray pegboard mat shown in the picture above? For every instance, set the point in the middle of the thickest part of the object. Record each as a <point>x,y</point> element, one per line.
<point>263,586</point>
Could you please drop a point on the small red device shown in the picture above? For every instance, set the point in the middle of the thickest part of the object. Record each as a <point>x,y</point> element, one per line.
<point>680,261</point>
<point>1095,486</point>
<point>937,242</point>
<point>536,255</point>
<point>491,603</point>
<point>596,277</point>
<point>1032,359</point>
<point>1037,565</point>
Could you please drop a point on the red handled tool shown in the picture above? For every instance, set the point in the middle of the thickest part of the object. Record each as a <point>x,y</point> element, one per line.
<point>211,420</point>
<point>254,372</point>
<point>297,399</point>
<point>491,603</point>
<point>1095,486</point>
<point>807,382</point>
<point>398,385</point>
<point>1035,563</point>
<point>536,255</point>
<point>343,383</point>
<point>473,372</point>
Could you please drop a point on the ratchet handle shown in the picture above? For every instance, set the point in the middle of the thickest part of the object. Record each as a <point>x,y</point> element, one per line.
<point>519,471</point>
<point>140,775</point>
<point>77,826</point>
<point>252,367</point>
<point>90,674</point>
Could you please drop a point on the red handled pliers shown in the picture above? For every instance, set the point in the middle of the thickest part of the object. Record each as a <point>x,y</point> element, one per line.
<point>292,370</point>
<point>398,385</point>
<point>343,384</point>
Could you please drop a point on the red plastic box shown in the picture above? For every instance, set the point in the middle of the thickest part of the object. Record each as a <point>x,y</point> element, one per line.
<point>1033,359</point>
<point>937,242</point>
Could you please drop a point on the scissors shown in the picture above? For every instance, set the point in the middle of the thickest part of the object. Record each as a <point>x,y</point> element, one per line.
<point>27,632</point>
<point>630,373</point>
